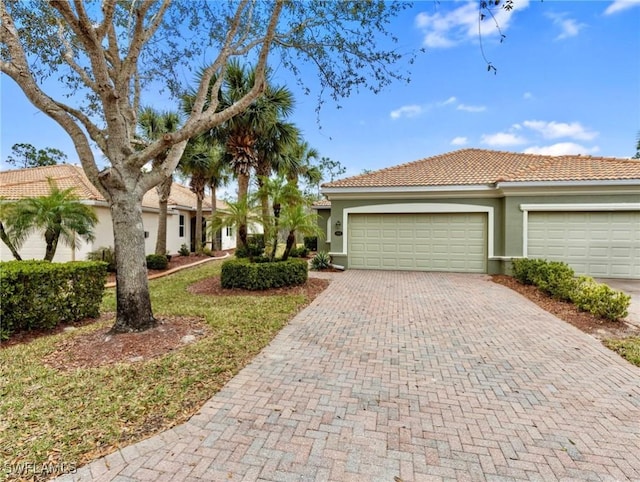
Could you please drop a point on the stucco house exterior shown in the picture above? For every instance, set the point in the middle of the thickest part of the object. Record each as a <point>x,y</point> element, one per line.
<point>474,210</point>
<point>21,183</point>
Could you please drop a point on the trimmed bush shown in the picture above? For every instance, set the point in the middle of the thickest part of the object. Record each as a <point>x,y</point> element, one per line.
<point>106,254</point>
<point>600,299</point>
<point>157,261</point>
<point>301,252</point>
<point>240,273</point>
<point>40,294</point>
<point>255,247</point>
<point>320,261</point>
<point>311,243</point>
<point>557,279</point>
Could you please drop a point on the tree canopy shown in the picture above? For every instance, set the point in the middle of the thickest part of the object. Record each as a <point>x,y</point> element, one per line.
<point>26,155</point>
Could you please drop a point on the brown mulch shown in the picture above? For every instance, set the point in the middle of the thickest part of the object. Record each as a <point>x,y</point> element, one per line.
<point>597,327</point>
<point>101,348</point>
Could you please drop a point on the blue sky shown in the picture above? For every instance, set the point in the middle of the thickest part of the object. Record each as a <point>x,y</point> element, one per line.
<point>568,81</point>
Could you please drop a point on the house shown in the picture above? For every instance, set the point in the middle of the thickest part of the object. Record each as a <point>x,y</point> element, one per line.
<point>474,210</point>
<point>21,183</point>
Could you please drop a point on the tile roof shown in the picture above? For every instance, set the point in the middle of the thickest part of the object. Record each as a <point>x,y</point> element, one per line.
<point>480,166</point>
<point>321,203</point>
<point>21,183</point>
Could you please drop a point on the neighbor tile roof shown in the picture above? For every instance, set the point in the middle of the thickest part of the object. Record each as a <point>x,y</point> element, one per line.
<point>479,166</point>
<point>21,183</point>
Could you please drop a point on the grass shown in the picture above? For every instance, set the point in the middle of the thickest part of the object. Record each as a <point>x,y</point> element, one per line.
<point>628,348</point>
<point>65,419</point>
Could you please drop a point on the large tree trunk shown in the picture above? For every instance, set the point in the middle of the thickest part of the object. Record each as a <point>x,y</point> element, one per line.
<point>291,239</point>
<point>243,192</point>
<point>164,191</point>
<point>7,241</point>
<point>133,312</point>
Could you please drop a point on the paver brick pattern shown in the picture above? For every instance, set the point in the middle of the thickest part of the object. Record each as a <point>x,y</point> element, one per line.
<point>409,376</point>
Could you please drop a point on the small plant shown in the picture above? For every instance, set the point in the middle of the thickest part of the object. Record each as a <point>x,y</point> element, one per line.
<point>184,250</point>
<point>311,243</point>
<point>106,254</point>
<point>157,261</point>
<point>320,261</point>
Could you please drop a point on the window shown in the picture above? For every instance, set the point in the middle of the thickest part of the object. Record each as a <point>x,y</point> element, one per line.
<point>229,232</point>
<point>181,233</point>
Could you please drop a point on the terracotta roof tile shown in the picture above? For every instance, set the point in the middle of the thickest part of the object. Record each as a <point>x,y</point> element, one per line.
<point>21,183</point>
<point>321,203</point>
<point>479,166</point>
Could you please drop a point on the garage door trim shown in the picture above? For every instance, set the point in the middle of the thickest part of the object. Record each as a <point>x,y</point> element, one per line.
<point>416,208</point>
<point>526,208</point>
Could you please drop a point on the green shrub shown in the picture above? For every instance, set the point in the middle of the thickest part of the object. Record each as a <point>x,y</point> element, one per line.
<point>106,254</point>
<point>241,273</point>
<point>322,260</point>
<point>255,247</point>
<point>157,261</point>
<point>556,279</point>
<point>311,243</point>
<point>40,295</point>
<point>525,269</point>
<point>600,299</point>
<point>184,250</point>
<point>299,252</point>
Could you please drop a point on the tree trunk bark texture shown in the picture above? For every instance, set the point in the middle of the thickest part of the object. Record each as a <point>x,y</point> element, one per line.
<point>243,192</point>
<point>133,311</point>
<point>215,246</point>
<point>7,241</point>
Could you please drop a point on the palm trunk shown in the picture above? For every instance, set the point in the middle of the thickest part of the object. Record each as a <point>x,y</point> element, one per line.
<point>51,238</point>
<point>198,243</point>
<point>291,239</point>
<point>214,241</point>
<point>243,192</point>
<point>164,191</point>
<point>133,311</point>
<point>7,241</point>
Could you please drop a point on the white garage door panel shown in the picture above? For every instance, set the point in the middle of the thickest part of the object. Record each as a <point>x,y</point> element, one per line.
<point>428,242</point>
<point>600,244</point>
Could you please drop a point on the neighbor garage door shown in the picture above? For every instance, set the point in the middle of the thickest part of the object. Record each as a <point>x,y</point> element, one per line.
<point>424,242</point>
<point>599,244</point>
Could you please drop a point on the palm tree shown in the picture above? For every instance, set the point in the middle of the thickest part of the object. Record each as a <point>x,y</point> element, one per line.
<point>296,219</point>
<point>155,124</point>
<point>279,191</point>
<point>298,163</point>
<point>236,215</point>
<point>7,237</point>
<point>201,161</point>
<point>59,215</point>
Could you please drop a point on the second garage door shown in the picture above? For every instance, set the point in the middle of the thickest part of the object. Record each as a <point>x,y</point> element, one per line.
<point>424,242</point>
<point>600,244</point>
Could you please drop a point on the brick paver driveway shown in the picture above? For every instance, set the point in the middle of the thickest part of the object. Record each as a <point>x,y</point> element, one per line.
<point>409,376</point>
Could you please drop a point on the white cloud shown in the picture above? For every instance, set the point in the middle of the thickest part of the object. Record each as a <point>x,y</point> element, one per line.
<point>569,27</point>
<point>561,149</point>
<point>407,111</point>
<point>527,96</point>
<point>620,5</point>
<point>471,108</point>
<point>450,28</point>
<point>503,139</point>
<point>556,130</point>
<point>459,141</point>
<point>450,100</point>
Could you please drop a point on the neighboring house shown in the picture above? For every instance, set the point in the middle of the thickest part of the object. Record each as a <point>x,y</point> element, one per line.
<point>17,184</point>
<point>474,210</point>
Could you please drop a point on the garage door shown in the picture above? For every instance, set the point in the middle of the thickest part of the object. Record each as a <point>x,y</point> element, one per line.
<point>599,244</point>
<point>423,242</point>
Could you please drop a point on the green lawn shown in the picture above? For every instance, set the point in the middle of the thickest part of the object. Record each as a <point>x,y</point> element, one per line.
<point>53,417</point>
<point>628,348</point>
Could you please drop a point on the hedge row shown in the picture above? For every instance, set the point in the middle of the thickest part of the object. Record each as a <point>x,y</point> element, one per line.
<point>558,280</point>
<point>40,294</point>
<point>240,273</point>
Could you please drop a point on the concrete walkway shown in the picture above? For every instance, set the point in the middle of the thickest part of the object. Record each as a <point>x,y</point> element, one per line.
<point>409,377</point>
